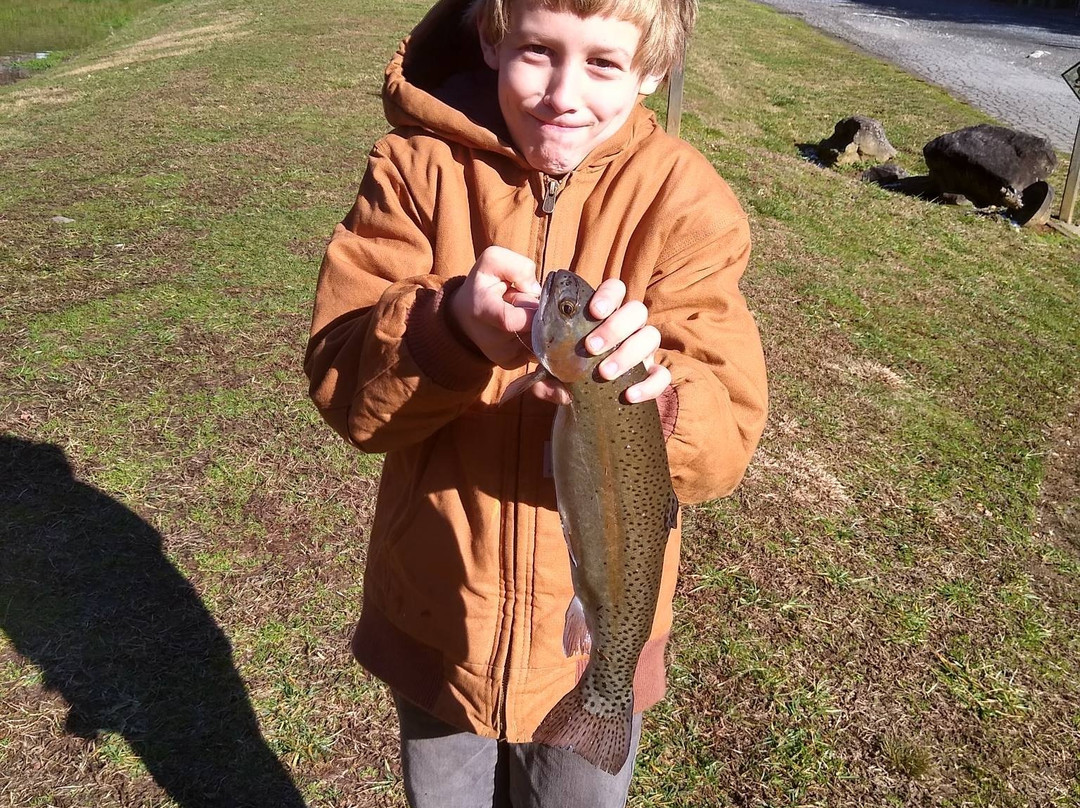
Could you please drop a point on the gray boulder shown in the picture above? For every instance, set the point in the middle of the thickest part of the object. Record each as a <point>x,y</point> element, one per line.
<point>884,175</point>
<point>855,139</point>
<point>990,165</point>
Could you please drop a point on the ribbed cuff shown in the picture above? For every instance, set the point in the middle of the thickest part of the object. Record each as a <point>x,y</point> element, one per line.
<point>439,346</point>
<point>442,305</point>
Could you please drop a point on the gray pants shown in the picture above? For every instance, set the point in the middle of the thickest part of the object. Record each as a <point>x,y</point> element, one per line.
<point>446,767</point>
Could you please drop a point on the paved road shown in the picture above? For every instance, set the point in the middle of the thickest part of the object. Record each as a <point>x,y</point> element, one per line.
<point>1003,59</point>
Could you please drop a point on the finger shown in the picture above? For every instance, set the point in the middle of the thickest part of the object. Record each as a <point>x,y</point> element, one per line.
<point>516,319</point>
<point>653,387</point>
<point>509,267</point>
<point>608,297</point>
<point>524,329</point>
<point>551,391</point>
<point>522,300</point>
<point>637,348</point>
<point>626,320</point>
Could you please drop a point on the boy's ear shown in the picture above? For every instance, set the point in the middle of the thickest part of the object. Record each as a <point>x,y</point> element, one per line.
<point>491,52</point>
<point>649,84</point>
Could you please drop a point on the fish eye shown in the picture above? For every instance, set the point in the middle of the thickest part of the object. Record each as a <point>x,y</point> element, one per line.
<point>567,308</point>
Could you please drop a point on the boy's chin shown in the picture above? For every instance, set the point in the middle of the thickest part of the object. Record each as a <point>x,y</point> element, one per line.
<point>554,164</point>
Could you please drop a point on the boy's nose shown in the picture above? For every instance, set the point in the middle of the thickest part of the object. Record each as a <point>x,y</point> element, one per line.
<point>564,91</point>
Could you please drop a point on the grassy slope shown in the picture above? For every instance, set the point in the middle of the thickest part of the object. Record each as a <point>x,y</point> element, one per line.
<point>878,617</point>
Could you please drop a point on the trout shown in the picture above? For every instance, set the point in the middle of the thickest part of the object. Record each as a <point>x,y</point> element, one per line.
<point>617,506</point>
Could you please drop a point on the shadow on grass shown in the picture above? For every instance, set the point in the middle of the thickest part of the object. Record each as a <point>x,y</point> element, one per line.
<point>88,596</point>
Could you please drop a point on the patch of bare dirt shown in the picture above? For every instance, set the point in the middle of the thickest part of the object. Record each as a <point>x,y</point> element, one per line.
<point>868,370</point>
<point>311,249</point>
<point>799,477</point>
<point>178,43</point>
<point>37,96</point>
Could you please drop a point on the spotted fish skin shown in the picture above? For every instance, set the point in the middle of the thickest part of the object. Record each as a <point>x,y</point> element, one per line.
<point>613,487</point>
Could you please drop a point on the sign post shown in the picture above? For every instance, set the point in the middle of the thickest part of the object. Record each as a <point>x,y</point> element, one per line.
<point>674,99</point>
<point>1068,196</point>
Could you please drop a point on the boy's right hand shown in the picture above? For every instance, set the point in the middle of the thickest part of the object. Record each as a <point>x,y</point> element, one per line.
<point>494,307</point>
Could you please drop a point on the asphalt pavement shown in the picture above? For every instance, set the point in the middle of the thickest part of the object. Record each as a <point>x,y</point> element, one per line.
<point>1004,59</point>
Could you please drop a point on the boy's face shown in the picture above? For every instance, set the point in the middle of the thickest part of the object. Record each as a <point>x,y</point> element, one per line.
<point>566,83</point>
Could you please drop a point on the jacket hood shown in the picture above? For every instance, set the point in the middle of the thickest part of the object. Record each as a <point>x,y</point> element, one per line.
<point>438,80</point>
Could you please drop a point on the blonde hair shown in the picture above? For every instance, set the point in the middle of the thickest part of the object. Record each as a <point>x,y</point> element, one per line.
<point>665,25</point>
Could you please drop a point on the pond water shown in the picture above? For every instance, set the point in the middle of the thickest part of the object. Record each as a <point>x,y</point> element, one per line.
<point>10,65</point>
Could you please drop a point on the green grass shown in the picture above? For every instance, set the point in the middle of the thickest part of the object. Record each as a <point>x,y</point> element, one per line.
<point>36,64</point>
<point>882,615</point>
<point>28,26</point>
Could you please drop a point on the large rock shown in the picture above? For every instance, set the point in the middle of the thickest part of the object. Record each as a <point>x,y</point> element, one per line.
<point>856,139</point>
<point>990,165</point>
<point>884,175</point>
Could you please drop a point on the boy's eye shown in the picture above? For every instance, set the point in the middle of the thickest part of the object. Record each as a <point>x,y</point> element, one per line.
<point>604,64</point>
<point>539,50</point>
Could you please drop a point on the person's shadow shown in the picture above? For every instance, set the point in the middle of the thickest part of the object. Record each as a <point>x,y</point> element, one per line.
<point>88,596</point>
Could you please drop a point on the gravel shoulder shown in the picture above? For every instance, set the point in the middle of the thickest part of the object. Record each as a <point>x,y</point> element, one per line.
<point>1004,60</point>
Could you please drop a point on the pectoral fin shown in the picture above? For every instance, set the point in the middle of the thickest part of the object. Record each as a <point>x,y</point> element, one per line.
<point>519,386</point>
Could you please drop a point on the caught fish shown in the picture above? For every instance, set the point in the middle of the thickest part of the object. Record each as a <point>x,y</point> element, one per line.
<point>617,506</point>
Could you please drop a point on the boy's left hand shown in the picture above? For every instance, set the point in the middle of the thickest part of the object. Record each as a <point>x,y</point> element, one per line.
<point>624,323</point>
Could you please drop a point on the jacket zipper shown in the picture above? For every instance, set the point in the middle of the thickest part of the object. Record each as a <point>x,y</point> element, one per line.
<point>552,188</point>
<point>551,193</point>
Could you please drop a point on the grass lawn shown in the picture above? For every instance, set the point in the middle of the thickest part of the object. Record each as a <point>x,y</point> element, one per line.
<point>884,614</point>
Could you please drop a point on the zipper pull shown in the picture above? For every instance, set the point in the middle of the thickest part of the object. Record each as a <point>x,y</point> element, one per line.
<point>551,192</point>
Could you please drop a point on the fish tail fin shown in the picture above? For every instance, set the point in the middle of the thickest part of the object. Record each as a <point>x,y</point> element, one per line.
<point>604,741</point>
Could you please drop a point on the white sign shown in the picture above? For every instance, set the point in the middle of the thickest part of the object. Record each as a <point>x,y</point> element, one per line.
<point>1072,77</point>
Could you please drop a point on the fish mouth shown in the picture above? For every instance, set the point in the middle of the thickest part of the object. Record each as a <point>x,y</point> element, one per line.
<point>539,347</point>
<point>558,334</point>
<point>547,291</point>
<point>548,326</point>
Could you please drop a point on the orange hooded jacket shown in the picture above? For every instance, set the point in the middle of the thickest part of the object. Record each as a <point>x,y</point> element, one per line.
<point>468,576</point>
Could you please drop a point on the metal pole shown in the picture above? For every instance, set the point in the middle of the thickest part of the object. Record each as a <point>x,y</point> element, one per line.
<point>674,101</point>
<point>1068,197</point>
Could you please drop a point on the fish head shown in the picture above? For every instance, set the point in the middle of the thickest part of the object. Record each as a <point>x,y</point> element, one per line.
<point>560,326</point>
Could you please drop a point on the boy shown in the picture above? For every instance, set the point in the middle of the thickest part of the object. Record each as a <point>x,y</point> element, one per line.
<point>520,146</point>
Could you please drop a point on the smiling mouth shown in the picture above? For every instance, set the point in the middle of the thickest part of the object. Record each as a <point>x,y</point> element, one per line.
<point>561,134</point>
<point>559,125</point>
